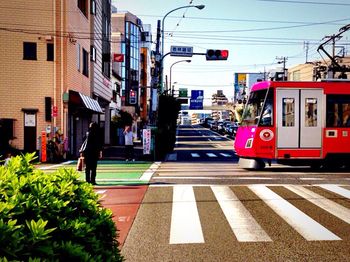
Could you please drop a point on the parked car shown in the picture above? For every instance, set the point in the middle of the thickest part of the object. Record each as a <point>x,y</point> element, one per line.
<point>232,129</point>
<point>214,125</point>
<point>207,121</point>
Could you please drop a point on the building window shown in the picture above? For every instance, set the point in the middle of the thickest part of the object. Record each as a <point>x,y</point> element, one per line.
<point>93,7</point>
<point>29,51</point>
<point>92,53</point>
<point>82,5</point>
<point>85,63</point>
<point>106,46</point>
<point>78,57</point>
<point>50,52</point>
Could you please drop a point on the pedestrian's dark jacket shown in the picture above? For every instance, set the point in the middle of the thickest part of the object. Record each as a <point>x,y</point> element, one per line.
<point>93,145</point>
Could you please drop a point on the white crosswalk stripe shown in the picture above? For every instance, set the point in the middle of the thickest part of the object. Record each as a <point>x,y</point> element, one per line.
<point>331,207</point>
<point>338,190</point>
<point>211,155</point>
<point>225,155</point>
<point>186,224</point>
<point>302,223</point>
<point>241,221</point>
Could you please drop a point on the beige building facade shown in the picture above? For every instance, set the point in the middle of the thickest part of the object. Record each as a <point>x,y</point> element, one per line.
<point>47,76</point>
<point>309,72</point>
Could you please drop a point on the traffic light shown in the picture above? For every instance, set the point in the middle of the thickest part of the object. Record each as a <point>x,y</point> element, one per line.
<point>132,97</point>
<point>216,54</point>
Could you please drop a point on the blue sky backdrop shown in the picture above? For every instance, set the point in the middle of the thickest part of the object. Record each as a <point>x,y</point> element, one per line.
<point>254,31</point>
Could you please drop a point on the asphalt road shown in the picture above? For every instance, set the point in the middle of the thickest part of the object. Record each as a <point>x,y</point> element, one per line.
<point>201,206</point>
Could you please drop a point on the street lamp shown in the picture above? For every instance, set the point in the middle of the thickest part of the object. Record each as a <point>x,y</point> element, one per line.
<point>200,7</point>
<point>188,61</point>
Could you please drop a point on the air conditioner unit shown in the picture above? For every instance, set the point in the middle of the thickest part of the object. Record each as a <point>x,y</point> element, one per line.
<point>48,37</point>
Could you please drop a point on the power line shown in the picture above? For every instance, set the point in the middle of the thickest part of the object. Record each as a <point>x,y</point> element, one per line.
<point>264,29</point>
<point>64,34</point>
<point>305,2</point>
<point>239,20</point>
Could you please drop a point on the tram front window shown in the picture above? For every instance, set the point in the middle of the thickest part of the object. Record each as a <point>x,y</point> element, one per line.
<point>255,108</point>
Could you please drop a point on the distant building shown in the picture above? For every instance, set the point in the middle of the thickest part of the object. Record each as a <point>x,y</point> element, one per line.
<point>243,83</point>
<point>219,99</point>
<point>317,70</point>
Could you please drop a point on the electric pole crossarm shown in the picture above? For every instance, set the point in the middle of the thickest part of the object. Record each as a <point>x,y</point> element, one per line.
<point>333,38</point>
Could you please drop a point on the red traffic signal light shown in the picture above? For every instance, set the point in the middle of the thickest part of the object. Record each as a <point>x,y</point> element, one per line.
<point>132,97</point>
<point>216,54</point>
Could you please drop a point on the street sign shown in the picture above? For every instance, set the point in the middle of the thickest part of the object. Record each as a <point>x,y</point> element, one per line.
<point>181,51</point>
<point>182,92</point>
<point>196,101</point>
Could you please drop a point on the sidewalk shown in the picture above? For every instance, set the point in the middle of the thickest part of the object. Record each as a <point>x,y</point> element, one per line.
<point>121,186</point>
<point>118,152</point>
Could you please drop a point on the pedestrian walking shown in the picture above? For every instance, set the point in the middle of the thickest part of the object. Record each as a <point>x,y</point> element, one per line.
<point>129,144</point>
<point>92,152</point>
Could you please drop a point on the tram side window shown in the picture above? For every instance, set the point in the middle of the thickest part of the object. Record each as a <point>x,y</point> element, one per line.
<point>311,112</point>
<point>338,111</point>
<point>288,112</point>
<point>267,113</point>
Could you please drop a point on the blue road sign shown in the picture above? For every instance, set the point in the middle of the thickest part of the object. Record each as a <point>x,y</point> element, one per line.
<point>196,101</point>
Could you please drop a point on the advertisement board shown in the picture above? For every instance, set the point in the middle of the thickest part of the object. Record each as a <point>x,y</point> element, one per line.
<point>146,141</point>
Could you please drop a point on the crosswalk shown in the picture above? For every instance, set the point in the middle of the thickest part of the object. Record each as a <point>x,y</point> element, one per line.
<point>187,227</point>
<point>210,155</point>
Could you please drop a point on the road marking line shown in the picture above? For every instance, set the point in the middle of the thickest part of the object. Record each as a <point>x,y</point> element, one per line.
<point>147,175</point>
<point>185,224</point>
<point>225,155</point>
<point>213,178</point>
<point>242,223</point>
<point>211,155</point>
<point>312,178</point>
<point>55,166</point>
<point>172,157</point>
<point>101,191</point>
<point>194,155</point>
<point>302,223</point>
<point>334,208</point>
<point>337,189</point>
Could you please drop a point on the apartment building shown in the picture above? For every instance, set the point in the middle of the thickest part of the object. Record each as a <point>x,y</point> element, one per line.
<point>316,70</point>
<point>54,71</point>
<point>126,38</point>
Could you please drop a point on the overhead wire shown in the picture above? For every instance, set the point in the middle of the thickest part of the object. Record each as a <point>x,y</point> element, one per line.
<point>306,2</point>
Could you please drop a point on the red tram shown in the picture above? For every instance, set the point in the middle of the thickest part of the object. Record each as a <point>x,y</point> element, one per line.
<point>295,123</point>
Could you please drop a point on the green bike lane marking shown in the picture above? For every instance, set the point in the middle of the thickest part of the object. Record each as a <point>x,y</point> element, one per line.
<point>113,173</point>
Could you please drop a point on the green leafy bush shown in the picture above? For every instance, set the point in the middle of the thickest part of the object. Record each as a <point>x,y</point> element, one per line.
<point>52,217</point>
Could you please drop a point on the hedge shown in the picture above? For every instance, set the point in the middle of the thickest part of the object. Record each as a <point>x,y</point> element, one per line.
<point>52,216</point>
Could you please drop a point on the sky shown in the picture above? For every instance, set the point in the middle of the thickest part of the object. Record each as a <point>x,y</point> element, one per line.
<point>257,34</point>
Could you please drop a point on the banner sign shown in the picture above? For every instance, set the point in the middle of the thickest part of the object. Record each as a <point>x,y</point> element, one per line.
<point>118,57</point>
<point>43,146</point>
<point>146,141</point>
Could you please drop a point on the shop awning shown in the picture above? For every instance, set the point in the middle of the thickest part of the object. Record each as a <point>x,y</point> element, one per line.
<point>90,103</point>
<point>79,100</point>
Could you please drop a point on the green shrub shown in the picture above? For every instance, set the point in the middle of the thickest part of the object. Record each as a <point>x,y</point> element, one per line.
<point>52,217</point>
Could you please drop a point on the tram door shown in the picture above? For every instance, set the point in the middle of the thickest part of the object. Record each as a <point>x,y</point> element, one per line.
<point>299,118</point>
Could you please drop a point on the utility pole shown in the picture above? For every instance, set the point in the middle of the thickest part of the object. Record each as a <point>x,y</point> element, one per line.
<point>155,77</point>
<point>282,60</point>
<point>306,47</point>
